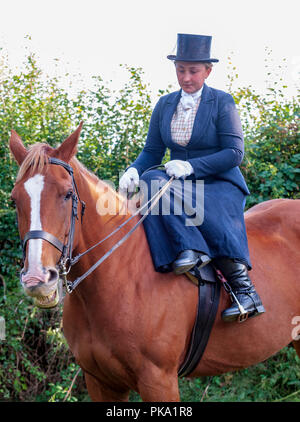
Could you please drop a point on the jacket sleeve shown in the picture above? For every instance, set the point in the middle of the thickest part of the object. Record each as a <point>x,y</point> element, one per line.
<point>154,149</point>
<point>231,141</point>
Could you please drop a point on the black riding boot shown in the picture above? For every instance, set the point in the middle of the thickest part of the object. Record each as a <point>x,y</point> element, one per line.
<point>187,259</point>
<point>236,274</point>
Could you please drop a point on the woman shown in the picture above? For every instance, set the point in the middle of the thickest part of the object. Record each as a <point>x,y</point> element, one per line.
<point>201,127</point>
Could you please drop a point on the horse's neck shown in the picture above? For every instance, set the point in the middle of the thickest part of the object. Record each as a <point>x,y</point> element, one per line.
<point>105,211</point>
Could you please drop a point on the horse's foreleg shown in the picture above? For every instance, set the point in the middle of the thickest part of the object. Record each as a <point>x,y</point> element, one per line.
<point>101,393</point>
<point>157,385</point>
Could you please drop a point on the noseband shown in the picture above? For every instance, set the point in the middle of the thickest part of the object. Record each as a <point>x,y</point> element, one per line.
<point>66,260</point>
<point>65,249</point>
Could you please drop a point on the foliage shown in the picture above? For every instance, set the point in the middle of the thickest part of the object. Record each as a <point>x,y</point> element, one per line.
<point>271,165</point>
<point>36,364</point>
<point>114,131</point>
<point>272,142</point>
<point>35,361</point>
<point>274,380</point>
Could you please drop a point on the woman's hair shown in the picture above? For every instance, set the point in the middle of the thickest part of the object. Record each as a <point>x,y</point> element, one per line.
<point>208,65</point>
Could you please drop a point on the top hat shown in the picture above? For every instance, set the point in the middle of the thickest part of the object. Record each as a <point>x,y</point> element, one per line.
<point>193,48</point>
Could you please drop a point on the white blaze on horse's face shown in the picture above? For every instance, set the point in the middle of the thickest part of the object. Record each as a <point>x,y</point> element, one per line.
<point>39,281</point>
<point>34,187</point>
<point>35,181</point>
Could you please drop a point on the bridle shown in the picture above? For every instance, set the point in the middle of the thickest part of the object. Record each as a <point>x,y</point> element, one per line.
<point>66,260</point>
<point>66,249</point>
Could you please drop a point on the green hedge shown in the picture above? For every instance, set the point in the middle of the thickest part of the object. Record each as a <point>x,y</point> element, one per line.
<point>35,363</point>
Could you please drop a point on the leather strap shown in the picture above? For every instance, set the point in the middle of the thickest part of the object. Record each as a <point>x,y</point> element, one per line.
<point>66,250</point>
<point>71,285</point>
<point>208,301</point>
<point>41,234</point>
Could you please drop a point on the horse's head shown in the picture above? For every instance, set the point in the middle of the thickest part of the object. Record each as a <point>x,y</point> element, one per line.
<point>44,196</point>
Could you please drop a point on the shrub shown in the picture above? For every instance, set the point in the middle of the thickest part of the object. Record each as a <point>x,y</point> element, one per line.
<point>35,361</point>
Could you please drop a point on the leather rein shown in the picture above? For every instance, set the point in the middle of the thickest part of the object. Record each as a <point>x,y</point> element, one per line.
<point>66,260</point>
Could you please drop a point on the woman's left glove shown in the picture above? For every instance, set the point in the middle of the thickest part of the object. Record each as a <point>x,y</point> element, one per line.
<point>178,168</point>
<point>129,180</point>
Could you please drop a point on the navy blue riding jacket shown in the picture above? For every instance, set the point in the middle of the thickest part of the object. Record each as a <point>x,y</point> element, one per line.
<point>215,151</point>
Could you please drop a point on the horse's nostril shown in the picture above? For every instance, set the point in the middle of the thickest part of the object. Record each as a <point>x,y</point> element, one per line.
<point>53,275</point>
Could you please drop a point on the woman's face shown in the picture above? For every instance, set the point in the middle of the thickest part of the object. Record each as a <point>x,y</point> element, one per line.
<point>191,76</point>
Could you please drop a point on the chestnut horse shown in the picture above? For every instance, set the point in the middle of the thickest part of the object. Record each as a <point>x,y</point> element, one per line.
<point>128,326</point>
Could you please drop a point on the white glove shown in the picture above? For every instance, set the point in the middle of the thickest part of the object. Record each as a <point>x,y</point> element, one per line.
<point>178,168</point>
<point>130,179</point>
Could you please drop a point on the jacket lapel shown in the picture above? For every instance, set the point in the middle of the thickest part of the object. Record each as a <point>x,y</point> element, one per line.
<point>201,119</point>
<point>169,110</point>
<point>202,116</point>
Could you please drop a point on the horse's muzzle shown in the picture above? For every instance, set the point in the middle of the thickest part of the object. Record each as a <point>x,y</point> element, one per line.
<point>42,285</point>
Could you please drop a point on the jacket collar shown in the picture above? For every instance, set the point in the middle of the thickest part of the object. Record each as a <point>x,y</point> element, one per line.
<point>206,96</point>
<point>201,119</point>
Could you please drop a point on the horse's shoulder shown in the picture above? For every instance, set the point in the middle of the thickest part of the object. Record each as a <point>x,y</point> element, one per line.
<point>273,214</point>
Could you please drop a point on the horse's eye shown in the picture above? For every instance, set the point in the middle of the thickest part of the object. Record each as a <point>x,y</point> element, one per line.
<point>69,194</point>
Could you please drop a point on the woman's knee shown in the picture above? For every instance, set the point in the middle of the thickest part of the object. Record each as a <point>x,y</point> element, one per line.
<point>152,181</point>
<point>150,175</point>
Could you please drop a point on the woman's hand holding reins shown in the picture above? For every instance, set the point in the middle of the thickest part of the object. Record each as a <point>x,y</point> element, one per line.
<point>130,180</point>
<point>178,168</point>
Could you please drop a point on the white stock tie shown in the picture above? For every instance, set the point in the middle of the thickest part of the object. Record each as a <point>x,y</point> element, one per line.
<point>189,101</point>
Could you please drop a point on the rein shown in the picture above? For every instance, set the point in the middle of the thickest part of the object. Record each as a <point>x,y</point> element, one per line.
<point>66,261</point>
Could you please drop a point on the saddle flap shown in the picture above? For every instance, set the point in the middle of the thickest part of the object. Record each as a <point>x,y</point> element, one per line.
<point>205,274</point>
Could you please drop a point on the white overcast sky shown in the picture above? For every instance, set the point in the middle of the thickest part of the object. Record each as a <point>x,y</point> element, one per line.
<point>93,37</point>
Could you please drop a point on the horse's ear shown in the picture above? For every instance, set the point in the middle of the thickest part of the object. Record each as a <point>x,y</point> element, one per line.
<point>17,147</point>
<point>68,148</point>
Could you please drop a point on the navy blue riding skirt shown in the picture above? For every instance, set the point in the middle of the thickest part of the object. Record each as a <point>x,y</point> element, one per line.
<point>212,222</point>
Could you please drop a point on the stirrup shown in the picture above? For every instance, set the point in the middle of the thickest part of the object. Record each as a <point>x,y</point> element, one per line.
<point>243,316</point>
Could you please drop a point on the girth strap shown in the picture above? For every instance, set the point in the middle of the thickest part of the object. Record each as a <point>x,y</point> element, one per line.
<point>41,234</point>
<point>208,301</point>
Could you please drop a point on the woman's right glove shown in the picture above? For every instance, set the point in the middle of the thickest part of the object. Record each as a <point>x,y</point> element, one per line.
<point>179,169</point>
<point>130,180</point>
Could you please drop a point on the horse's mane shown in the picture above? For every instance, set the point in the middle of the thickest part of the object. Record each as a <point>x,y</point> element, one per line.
<point>37,161</point>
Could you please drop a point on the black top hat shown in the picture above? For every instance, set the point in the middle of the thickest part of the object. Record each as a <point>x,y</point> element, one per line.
<point>193,48</point>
